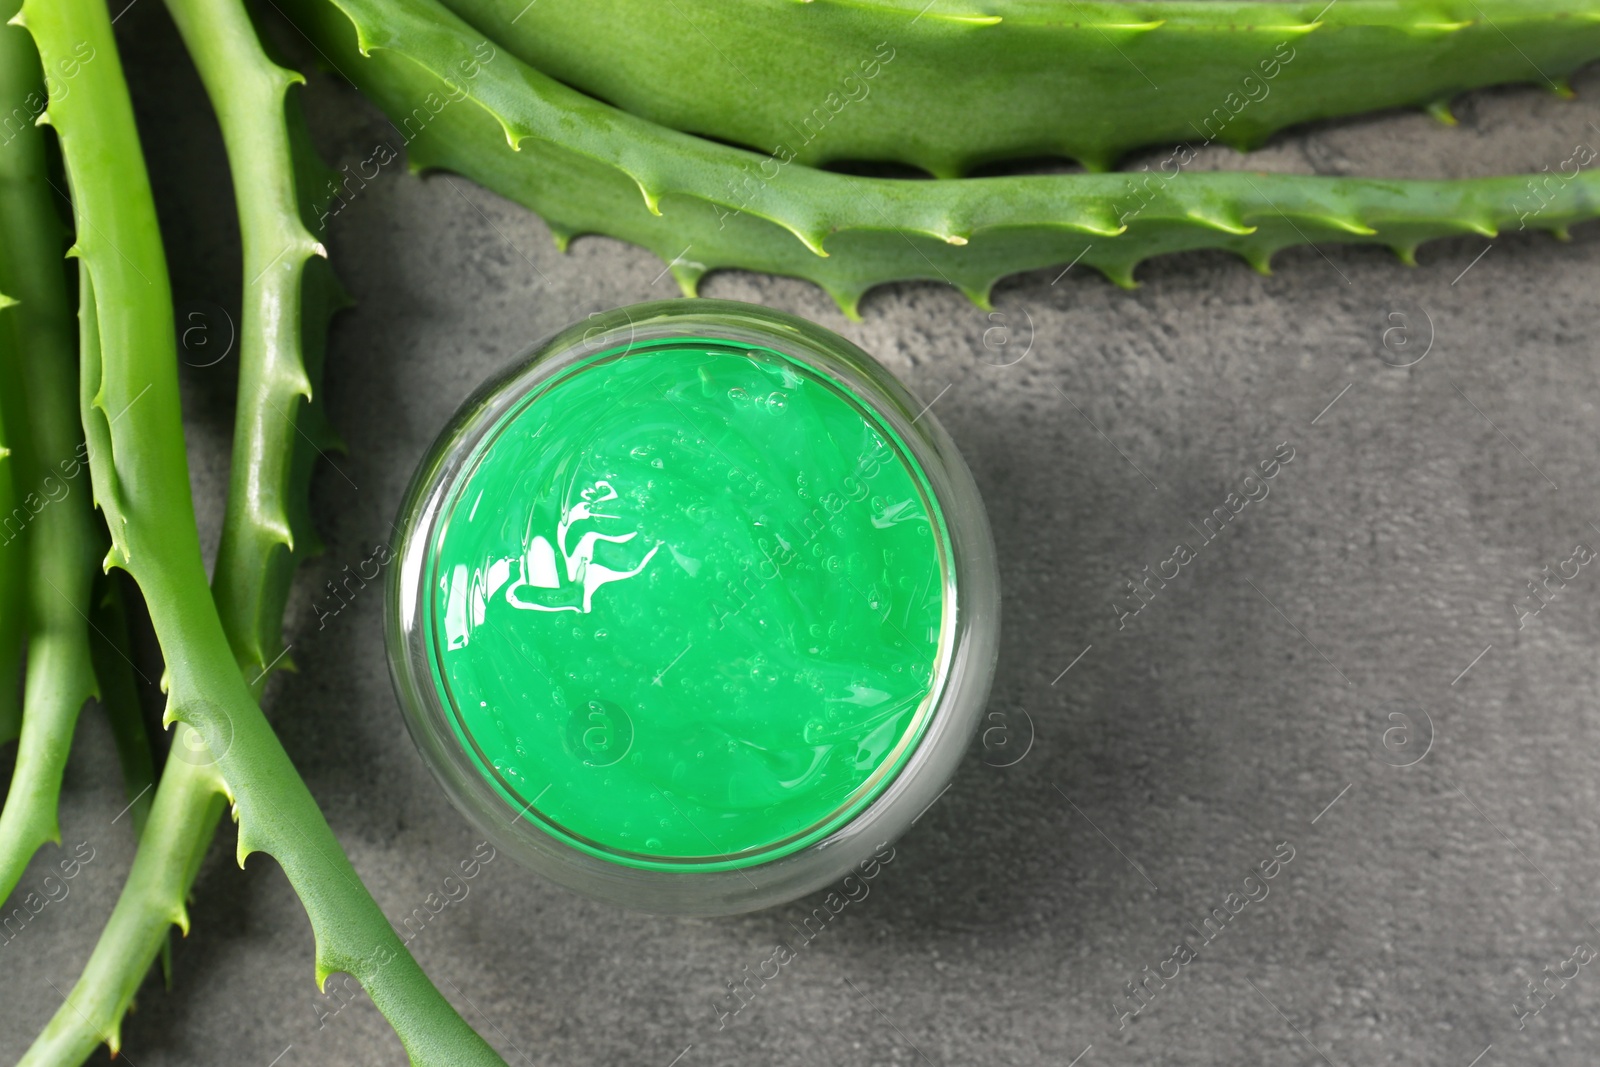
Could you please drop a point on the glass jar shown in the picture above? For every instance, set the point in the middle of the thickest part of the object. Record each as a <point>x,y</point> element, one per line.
<point>695,608</point>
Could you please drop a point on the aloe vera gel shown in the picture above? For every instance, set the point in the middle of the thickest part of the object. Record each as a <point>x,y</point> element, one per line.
<point>696,607</point>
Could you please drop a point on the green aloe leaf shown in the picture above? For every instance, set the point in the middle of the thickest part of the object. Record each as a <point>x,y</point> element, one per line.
<point>952,84</point>
<point>62,535</point>
<point>130,408</point>
<point>461,103</point>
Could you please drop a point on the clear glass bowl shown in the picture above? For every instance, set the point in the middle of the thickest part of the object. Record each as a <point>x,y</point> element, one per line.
<point>695,608</point>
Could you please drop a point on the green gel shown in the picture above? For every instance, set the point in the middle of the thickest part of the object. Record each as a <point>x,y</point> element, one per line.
<point>689,604</point>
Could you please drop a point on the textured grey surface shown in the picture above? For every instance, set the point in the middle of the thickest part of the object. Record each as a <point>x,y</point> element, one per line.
<point>1251,694</point>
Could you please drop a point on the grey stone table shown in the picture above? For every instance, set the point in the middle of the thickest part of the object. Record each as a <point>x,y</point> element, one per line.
<point>1343,675</point>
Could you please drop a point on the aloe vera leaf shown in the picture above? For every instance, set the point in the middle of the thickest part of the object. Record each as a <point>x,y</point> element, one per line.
<point>969,82</point>
<point>129,403</point>
<point>589,168</point>
<point>63,535</point>
<point>249,94</point>
<point>183,816</point>
<point>254,567</point>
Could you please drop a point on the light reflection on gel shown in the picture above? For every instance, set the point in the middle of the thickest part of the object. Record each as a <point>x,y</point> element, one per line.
<point>688,602</point>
